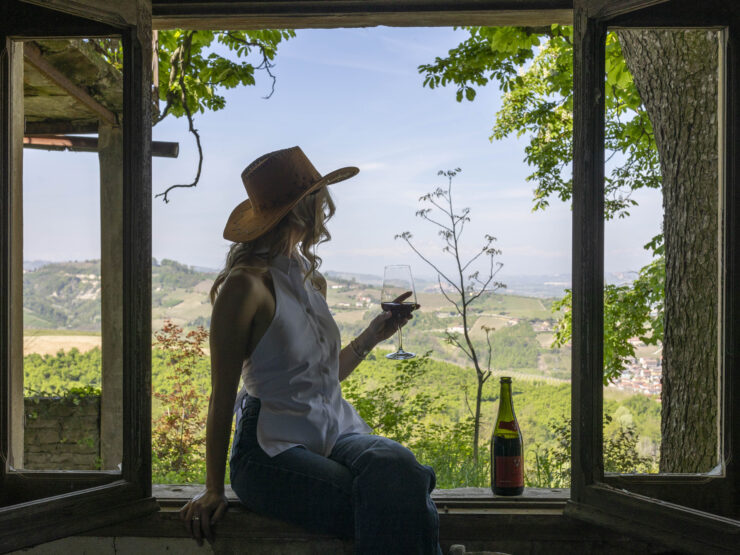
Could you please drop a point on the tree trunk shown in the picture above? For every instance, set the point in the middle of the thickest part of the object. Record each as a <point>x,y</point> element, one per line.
<point>676,75</point>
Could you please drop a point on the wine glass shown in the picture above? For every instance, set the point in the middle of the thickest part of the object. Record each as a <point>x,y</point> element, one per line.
<point>397,281</point>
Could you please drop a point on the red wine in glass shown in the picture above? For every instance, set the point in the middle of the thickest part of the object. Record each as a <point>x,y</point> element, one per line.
<point>399,297</point>
<point>399,310</point>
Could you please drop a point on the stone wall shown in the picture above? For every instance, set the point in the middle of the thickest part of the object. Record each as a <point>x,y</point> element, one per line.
<point>62,433</point>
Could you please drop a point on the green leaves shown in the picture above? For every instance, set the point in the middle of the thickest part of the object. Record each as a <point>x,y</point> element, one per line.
<point>533,67</point>
<point>398,405</point>
<point>549,466</point>
<point>395,406</point>
<point>74,395</point>
<point>633,310</point>
<point>205,67</point>
<point>490,53</point>
<point>179,432</point>
<point>191,71</point>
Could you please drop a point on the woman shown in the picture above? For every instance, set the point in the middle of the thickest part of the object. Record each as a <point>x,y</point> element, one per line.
<point>300,452</point>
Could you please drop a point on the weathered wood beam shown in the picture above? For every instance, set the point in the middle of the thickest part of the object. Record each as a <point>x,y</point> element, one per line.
<point>110,159</point>
<point>28,485</point>
<point>32,523</point>
<point>162,149</point>
<point>61,127</point>
<point>609,8</point>
<point>16,408</point>
<point>116,12</point>
<point>587,390</point>
<point>34,57</point>
<point>240,14</point>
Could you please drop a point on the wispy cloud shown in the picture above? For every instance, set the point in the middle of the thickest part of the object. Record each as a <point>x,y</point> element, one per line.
<point>426,50</point>
<point>357,65</point>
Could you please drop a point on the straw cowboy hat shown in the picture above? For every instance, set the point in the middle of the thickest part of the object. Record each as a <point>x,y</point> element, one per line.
<point>275,183</point>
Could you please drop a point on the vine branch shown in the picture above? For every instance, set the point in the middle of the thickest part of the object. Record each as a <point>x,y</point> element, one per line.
<point>184,63</point>
<point>180,63</point>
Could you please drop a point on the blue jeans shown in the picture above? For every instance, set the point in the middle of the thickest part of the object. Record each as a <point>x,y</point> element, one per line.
<point>370,488</point>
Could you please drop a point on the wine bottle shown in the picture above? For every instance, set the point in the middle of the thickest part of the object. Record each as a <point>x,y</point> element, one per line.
<point>507,462</point>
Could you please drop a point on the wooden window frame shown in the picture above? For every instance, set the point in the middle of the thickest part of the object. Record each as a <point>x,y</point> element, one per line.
<point>327,14</point>
<point>43,505</point>
<point>671,508</point>
<point>593,495</point>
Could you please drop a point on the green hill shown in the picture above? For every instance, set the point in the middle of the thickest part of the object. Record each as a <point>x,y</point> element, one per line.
<point>63,295</point>
<point>66,295</point>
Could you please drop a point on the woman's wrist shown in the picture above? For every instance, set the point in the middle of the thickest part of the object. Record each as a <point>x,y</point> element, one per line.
<point>361,346</point>
<point>215,487</point>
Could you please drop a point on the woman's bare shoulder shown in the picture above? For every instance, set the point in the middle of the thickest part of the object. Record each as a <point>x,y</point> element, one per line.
<point>242,285</point>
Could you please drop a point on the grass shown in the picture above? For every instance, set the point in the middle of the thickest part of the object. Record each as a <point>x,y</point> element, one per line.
<point>433,302</point>
<point>31,320</point>
<point>182,306</point>
<point>516,306</point>
<point>491,321</point>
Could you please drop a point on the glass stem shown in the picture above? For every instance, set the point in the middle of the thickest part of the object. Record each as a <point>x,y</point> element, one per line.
<point>400,338</point>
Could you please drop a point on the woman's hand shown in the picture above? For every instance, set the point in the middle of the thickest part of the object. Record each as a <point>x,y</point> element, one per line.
<point>202,512</point>
<point>384,325</point>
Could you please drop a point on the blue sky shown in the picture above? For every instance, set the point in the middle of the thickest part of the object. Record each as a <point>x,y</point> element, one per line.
<point>347,97</point>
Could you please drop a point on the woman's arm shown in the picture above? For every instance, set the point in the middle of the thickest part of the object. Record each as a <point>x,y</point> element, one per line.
<point>354,353</point>
<point>231,322</point>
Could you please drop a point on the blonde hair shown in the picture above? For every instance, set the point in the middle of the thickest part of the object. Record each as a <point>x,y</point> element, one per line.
<point>306,221</point>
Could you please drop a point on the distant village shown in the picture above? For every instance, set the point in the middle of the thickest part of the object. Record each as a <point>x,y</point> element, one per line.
<point>643,375</point>
<point>360,301</point>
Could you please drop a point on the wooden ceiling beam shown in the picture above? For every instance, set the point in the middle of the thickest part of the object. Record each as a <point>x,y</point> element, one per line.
<point>35,58</point>
<point>162,149</point>
<point>61,127</point>
<point>298,14</point>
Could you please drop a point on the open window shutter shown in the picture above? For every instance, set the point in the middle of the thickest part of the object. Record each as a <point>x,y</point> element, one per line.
<point>665,509</point>
<point>66,503</point>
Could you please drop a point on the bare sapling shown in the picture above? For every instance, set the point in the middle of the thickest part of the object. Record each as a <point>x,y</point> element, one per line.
<point>464,285</point>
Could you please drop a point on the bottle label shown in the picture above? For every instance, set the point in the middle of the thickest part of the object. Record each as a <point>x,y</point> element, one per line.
<point>510,425</point>
<point>509,472</point>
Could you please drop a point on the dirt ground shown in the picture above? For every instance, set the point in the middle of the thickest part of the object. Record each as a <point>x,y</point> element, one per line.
<point>51,344</point>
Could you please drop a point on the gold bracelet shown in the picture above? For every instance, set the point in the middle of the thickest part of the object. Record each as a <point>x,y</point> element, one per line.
<point>361,354</point>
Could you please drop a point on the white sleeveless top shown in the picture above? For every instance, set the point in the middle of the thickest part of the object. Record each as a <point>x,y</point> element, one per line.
<point>294,369</point>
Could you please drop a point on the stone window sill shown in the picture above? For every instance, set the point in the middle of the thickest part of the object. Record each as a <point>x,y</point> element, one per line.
<point>533,523</point>
<point>170,496</point>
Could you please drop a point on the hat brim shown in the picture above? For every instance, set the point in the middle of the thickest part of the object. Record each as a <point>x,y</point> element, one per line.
<point>246,224</point>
